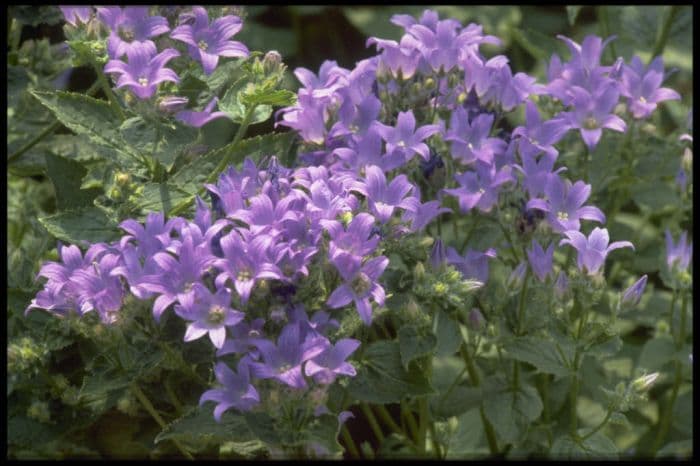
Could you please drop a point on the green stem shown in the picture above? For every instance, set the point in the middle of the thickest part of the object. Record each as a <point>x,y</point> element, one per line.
<point>410,422</point>
<point>386,418</point>
<point>434,441</point>
<point>681,330</point>
<point>225,161</point>
<point>423,423</point>
<point>671,311</point>
<point>476,381</point>
<point>573,395</point>
<point>662,37</point>
<point>605,26</point>
<point>107,89</point>
<point>599,426</point>
<point>173,398</point>
<point>349,442</point>
<point>372,422</point>
<point>521,303</point>
<point>152,411</point>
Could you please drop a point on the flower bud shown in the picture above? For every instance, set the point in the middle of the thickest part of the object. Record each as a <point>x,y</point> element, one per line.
<point>272,61</point>
<point>633,294</point>
<point>39,410</point>
<point>515,280</point>
<point>172,104</point>
<point>419,271</point>
<point>122,178</point>
<point>687,160</point>
<point>438,255</point>
<point>476,319</point>
<point>561,286</point>
<point>643,383</point>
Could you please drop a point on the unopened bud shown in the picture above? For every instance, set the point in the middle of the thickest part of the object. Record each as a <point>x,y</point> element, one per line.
<point>419,271</point>
<point>561,286</point>
<point>172,104</point>
<point>633,294</point>
<point>687,160</point>
<point>476,319</point>
<point>438,255</point>
<point>272,61</point>
<point>643,383</point>
<point>346,218</point>
<point>515,280</point>
<point>461,97</point>
<point>122,178</point>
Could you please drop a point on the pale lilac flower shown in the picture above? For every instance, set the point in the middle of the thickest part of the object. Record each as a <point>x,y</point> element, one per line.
<point>237,392</point>
<point>641,86</point>
<point>97,290</point>
<point>538,136</point>
<point>75,14</point>
<point>151,237</point>
<point>325,367</point>
<point>358,240</point>
<point>470,140</point>
<point>536,174</point>
<point>359,283</point>
<point>143,72</point>
<point>207,42</point>
<point>564,204</point>
<point>678,255</point>
<point>593,250</point>
<point>405,137</point>
<point>517,276</point>
<point>541,260</point>
<point>480,189</point>
<point>561,286</point>
<point>397,58</point>
<point>593,112</point>
<point>172,104</point>
<point>422,214</point>
<point>199,119</point>
<point>243,339</point>
<point>131,28</point>
<point>209,312</point>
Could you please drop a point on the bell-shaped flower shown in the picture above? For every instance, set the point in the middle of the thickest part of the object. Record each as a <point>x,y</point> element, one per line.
<point>480,189</point>
<point>593,250</point>
<point>325,367</point>
<point>236,392</point>
<point>144,71</point>
<point>405,137</point>
<point>130,27</point>
<point>642,86</point>
<point>564,204</point>
<point>593,111</point>
<point>359,284</point>
<point>541,260</point>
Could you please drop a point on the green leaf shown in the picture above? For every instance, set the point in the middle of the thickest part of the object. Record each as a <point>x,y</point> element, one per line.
<point>84,115</point>
<point>656,353</point>
<point>252,449</point>
<point>677,450</point>
<point>192,176</point>
<point>65,174</point>
<point>468,440</point>
<point>263,426</point>
<point>415,343</point>
<point>572,13</point>
<point>597,446</point>
<point>542,354</point>
<point>197,428</point>
<point>234,103</point>
<point>682,420</point>
<point>102,390</point>
<point>510,411</point>
<point>459,400</point>
<point>323,432</point>
<point>161,197</point>
<point>164,142</point>
<point>278,98</point>
<point>448,335</point>
<point>383,379</point>
<point>86,225</point>
<point>537,44</point>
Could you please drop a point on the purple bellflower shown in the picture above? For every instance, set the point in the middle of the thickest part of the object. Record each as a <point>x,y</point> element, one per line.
<point>538,136</point>
<point>564,204</point>
<point>131,28</point>
<point>357,240</point>
<point>98,290</point>
<point>678,255</point>
<point>405,138</point>
<point>75,14</point>
<point>633,294</point>
<point>383,198</point>
<point>237,392</point>
<point>243,339</point>
<point>593,112</point>
<point>359,283</point>
<point>537,173</point>
<point>199,119</point>
<point>541,260</point>
<point>470,140</point>
<point>152,237</point>
<point>207,42</point>
<point>143,72</point>
<point>326,366</point>
<point>480,189</point>
<point>593,250</point>
<point>474,265</point>
<point>283,361</point>
<point>209,313</point>
<point>641,85</point>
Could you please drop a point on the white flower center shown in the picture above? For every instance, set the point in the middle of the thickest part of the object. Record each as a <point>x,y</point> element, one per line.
<point>562,216</point>
<point>143,81</point>
<point>590,123</point>
<point>202,45</point>
<point>216,315</point>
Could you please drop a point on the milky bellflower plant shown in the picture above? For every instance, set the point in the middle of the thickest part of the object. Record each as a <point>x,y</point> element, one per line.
<point>144,70</point>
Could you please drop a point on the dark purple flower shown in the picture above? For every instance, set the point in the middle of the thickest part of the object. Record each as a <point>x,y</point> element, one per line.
<point>209,312</point>
<point>382,198</point>
<point>245,263</point>
<point>633,294</point>
<point>481,188</point>
<point>474,265</point>
<point>593,112</point>
<point>207,42</point>
<point>283,361</point>
<point>75,14</point>
<point>540,260</point>
<point>470,140</point>
<point>538,136</point>
<point>237,392</point>
<point>678,255</point>
<point>130,28</point>
<point>641,85</point>
<point>405,138</point>
<point>359,283</point>
<point>199,119</point>
<point>564,204</point>
<point>143,72</point>
<point>593,250</point>
<point>326,366</point>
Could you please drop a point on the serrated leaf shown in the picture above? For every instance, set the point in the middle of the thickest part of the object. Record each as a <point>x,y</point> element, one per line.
<point>414,343</point>
<point>161,197</point>
<point>197,428</point>
<point>84,115</point>
<point>383,379</point>
<point>448,335</point>
<point>656,353</point>
<point>81,226</point>
<point>279,98</point>
<point>164,142</point>
<point>192,176</point>
<point>459,400</point>
<point>511,411</point>
<point>619,419</point>
<point>65,174</point>
<point>322,436</point>
<point>234,104</point>
<point>676,450</point>
<point>252,449</point>
<point>468,440</point>
<point>101,390</point>
<point>542,354</point>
